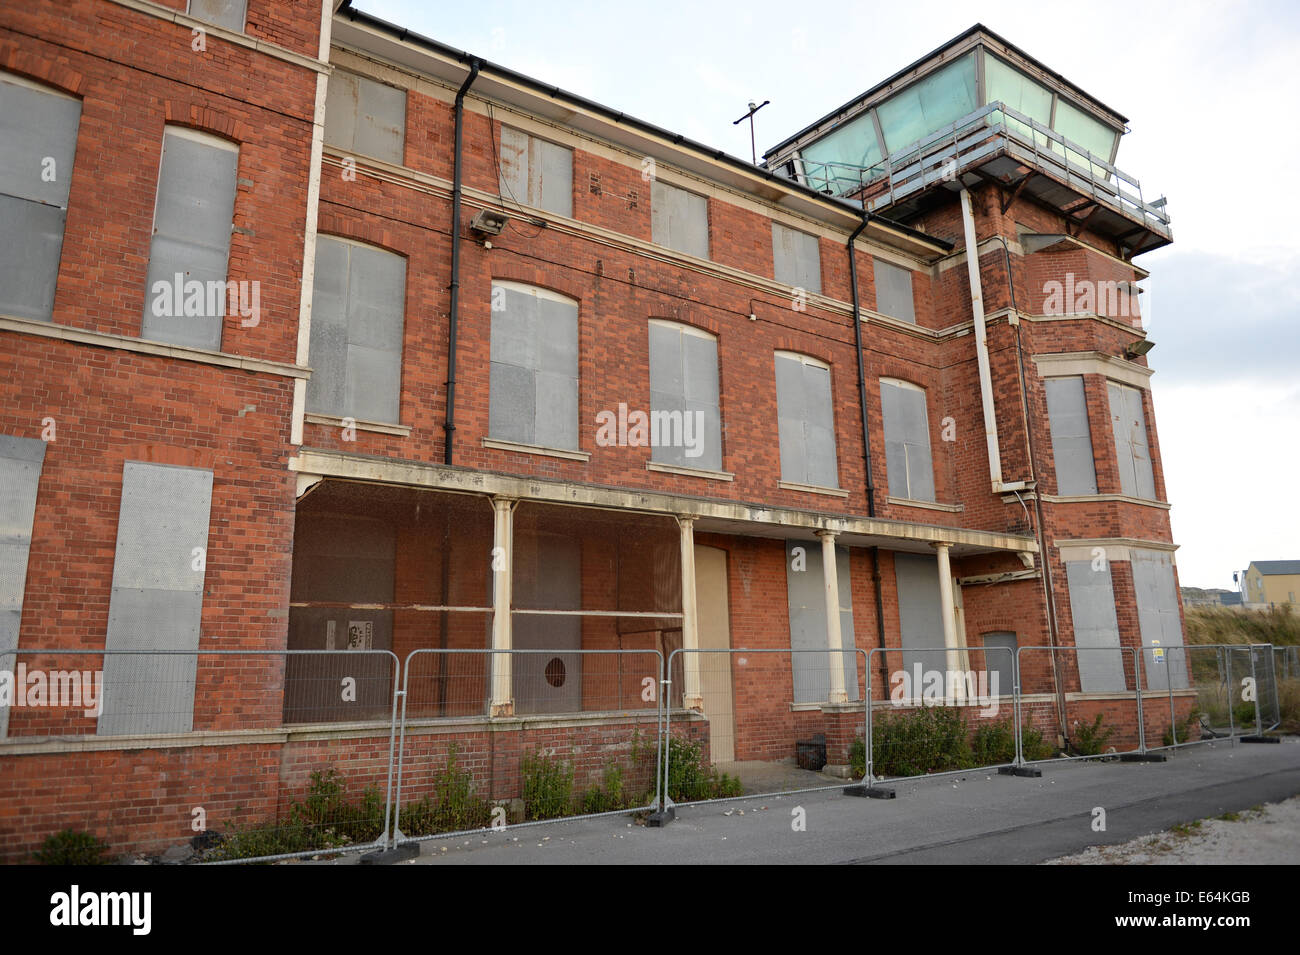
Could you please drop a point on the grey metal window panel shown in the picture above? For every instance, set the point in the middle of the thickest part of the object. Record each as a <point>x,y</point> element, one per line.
<point>38,140</point>
<point>36,124</point>
<point>366,117</point>
<point>684,379</point>
<point>358,323</point>
<point>533,374</point>
<point>1132,452</point>
<point>894,291</point>
<point>31,241</point>
<point>1092,607</point>
<point>21,460</point>
<point>157,599</point>
<point>536,172</point>
<point>548,576</point>
<point>224,13</point>
<point>796,258</point>
<point>920,613</point>
<point>999,657</point>
<point>806,593</point>
<point>909,463</point>
<point>1158,618</point>
<point>805,423</point>
<point>191,237</point>
<point>679,219</point>
<point>1067,412</point>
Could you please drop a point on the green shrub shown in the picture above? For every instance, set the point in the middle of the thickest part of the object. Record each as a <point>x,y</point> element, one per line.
<point>858,758</point>
<point>71,847</point>
<point>993,743</point>
<point>930,739</point>
<point>548,786</point>
<point>1183,733</point>
<point>1033,746</point>
<point>691,779</point>
<point>453,806</point>
<point>1091,740</point>
<point>610,795</point>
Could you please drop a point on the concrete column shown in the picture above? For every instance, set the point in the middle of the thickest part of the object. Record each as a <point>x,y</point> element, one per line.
<point>834,639</point>
<point>946,606</point>
<point>692,699</point>
<point>503,539</point>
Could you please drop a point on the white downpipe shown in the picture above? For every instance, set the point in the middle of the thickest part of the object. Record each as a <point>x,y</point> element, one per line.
<point>981,344</point>
<point>309,230</point>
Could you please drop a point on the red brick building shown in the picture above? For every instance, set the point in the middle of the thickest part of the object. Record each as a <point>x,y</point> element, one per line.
<point>481,364</point>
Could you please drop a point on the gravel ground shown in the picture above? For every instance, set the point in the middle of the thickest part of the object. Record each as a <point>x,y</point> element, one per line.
<point>1265,835</point>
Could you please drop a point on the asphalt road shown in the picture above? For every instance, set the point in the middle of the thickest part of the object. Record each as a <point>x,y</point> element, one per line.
<point>978,817</point>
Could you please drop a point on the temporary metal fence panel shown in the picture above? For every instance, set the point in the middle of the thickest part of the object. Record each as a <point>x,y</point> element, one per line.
<point>941,710</point>
<point>1097,724</point>
<point>255,777</point>
<point>469,759</point>
<point>734,729</point>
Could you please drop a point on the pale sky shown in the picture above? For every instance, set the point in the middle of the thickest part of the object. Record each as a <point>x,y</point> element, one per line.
<point>1206,87</point>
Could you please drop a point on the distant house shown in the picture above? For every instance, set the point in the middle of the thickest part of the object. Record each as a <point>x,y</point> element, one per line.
<point>1270,583</point>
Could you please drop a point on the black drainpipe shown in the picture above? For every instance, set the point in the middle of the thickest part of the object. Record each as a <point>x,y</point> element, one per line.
<point>866,448</point>
<point>453,307</point>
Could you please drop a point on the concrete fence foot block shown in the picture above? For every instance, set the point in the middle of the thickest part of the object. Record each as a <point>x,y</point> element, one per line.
<point>1026,771</point>
<point>1143,758</point>
<point>407,850</point>
<point>868,792</point>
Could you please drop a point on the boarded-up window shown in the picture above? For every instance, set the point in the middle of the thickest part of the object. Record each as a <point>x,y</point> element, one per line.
<point>20,473</point>
<point>894,291</point>
<point>1067,413</point>
<point>806,592</point>
<point>920,614</point>
<point>1131,449</point>
<point>358,309</point>
<point>679,219</point>
<point>185,290</point>
<point>1096,628</point>
<point>999,658</point>
<point>536,172</point>
<point>534,373</point>
<point>364,116</point>
<point>796,258</point>
<point>224,13</point>
<point>805,421</point>
<point>909,469</point>
<point>684,396</point>
<point>38,139</point>
<point>157,599</point>
<point>1163,658</point>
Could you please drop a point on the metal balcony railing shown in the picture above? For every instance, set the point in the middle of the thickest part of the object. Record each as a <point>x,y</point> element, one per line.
<point>975,140</point>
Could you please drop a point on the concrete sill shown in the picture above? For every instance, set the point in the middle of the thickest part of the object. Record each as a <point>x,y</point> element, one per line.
<point>537,449</point>
<point>333,421</point>
<point>704,473</point>
<point>928,505</point>
<point>812,489</point>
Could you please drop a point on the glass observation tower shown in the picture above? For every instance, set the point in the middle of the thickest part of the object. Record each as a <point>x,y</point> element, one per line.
<point>977,109</point>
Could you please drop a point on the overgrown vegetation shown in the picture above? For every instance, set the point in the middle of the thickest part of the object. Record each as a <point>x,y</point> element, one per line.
<point>1091,739</point>
<point>547,786</point>
<point>453,806</point>
<point>1184,732</point>
<point>72,847</point>
<point>1279,626</point>
<point>938,739</point>
<point>690,778</point>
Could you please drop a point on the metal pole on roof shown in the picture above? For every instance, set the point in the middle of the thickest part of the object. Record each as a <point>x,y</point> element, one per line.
<point>753,149</point>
